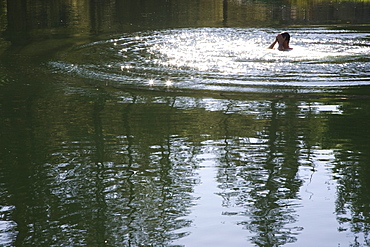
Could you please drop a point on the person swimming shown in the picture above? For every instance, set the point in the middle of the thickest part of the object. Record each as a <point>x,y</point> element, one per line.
<point>283,40</point>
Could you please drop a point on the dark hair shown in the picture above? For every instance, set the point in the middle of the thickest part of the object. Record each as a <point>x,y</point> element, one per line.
<point>286,36</point>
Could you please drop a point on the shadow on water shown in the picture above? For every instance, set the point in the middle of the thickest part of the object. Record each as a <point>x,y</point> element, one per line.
<point>168,123</point>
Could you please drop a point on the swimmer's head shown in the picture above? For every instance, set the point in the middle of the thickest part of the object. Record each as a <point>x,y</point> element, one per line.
<point>286,36</point>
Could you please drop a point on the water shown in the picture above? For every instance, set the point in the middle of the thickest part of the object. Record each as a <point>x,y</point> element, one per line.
<point>223,59</point>
<point>181,128</point>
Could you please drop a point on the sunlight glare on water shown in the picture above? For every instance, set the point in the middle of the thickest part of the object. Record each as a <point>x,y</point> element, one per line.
<point>170,123</point>
<point>224,59</point>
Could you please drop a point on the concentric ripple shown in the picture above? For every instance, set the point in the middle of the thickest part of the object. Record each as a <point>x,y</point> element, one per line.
<point>223,59</point>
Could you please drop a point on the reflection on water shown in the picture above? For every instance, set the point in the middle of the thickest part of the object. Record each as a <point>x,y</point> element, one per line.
<point>28,20</point>
<point>223,59</point>
<point>108,168</point>
<point>158,133</point>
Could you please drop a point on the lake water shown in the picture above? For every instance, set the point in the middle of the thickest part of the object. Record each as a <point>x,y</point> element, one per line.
<point>169,123</point>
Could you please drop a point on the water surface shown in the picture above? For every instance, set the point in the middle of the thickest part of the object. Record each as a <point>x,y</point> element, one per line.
<point>117,130</point>
<point>223,59</point>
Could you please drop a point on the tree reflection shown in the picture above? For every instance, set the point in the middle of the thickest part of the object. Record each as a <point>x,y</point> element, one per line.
<point>95,183</point>
<point>88,167</point>
<point>266,185</point>
<point>141,190</point>
<point>352,168</point>
<point>29,20</point>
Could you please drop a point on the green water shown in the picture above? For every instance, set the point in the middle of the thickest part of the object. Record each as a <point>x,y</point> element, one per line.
<point>168,123</point>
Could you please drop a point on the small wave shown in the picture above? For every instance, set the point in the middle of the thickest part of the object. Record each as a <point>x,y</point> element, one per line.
<point>222,58</point>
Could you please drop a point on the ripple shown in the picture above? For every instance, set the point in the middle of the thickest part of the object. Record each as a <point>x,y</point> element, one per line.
<point>222,59</point>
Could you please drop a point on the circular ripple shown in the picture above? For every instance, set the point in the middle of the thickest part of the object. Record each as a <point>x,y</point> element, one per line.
<point>222,59</point>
